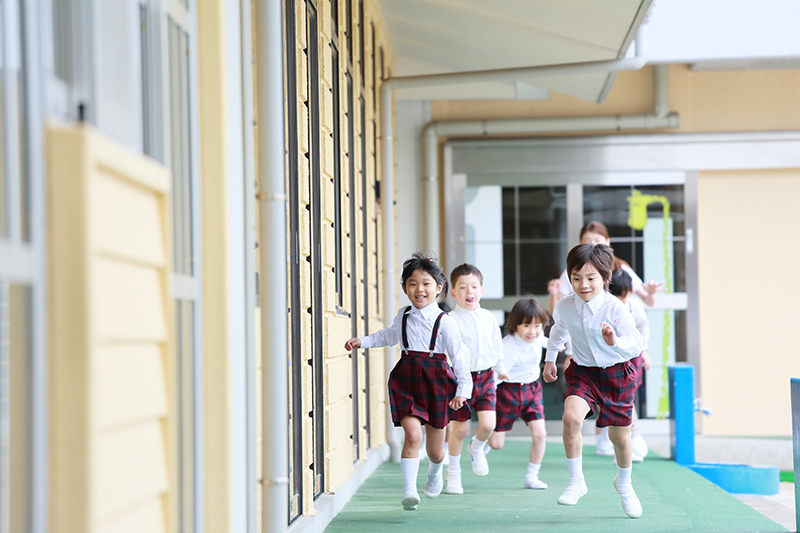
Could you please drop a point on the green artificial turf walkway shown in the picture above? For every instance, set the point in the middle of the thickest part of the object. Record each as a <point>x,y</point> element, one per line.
<point>673,499</point>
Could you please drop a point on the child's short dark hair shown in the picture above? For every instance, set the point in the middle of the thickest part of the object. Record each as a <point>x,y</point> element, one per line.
<point>600,256</point>
<point>419,261</point>
<point>621,284</point>
<point>465,269</point>
<point>525,311</point>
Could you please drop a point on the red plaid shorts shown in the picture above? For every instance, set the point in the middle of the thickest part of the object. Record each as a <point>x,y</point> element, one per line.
<point>422,386</point>
<point>483,396</point>
<point>518,400</point>
<point>611,389</point>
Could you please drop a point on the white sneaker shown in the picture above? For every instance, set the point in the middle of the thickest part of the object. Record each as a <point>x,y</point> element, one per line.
<point>453,485</point>
<point>533,482</point>
<point>572,493</point>
<point>446,460</point>
<point>630,502</point>
<point>479,463</point>
<point>433,487</point>
<point>604,445</point>
<point>410,500</point>
<point>640,447</point>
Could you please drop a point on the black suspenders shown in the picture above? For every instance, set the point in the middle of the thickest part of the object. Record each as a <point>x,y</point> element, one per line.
<point>433,335</point>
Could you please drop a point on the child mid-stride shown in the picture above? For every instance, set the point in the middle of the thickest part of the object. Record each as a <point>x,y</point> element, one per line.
<point>422,385</point>
<point>481,334</point>
<point>604,340</point>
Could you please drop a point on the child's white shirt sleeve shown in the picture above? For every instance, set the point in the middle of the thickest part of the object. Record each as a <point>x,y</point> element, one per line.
<point>387,336</point>
<point>497,343</point>
<point>459,356</point>
<point>558,338</point>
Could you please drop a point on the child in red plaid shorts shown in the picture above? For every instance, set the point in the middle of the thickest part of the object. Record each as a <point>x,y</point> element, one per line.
<point>481,334</point>
<point>520,396</point>
<point>422,385</point>
<point>604,340</point>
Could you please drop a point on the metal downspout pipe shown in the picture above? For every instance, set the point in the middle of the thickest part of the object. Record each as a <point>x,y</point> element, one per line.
<point>272,250</point>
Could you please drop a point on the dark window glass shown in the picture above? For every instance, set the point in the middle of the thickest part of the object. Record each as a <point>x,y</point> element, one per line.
<point>510,269</point>
<point>509,213</point>
<point>542,213</point>
<point>538,264</point>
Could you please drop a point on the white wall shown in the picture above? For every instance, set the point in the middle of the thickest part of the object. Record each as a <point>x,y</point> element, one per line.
<point>410,117</point>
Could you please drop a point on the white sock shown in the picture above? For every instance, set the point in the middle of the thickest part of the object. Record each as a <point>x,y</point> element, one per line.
<point>477,444</point>
<point>410,469</point>
<point>434,468</point>
<point>455,464</point>
<point>533,469</point>
<point>576,470</point>
<point>446,449</point>
<point>603,435</point>
<point>624,476</point>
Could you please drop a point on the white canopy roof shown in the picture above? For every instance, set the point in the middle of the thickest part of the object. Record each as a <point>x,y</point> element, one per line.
<point>438,36</point>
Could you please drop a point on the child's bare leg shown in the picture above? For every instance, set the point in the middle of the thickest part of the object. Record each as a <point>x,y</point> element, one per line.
<point>434,444</point>
<point>575,409</point>
<point>413,431</point>
<point>497,440</point>
<point>538,434</point>
<point>487,420</point>
<point>458,432</point>
<point>623,449</point>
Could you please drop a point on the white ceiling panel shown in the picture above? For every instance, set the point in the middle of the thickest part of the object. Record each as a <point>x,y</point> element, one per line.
<point>439,36</point>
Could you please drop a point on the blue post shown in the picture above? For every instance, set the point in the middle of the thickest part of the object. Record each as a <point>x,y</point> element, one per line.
<point>795,386</point>
<point>681,408</point>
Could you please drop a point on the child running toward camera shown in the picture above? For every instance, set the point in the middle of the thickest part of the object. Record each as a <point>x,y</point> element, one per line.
<point>520,396</point>
<point>422,385</point>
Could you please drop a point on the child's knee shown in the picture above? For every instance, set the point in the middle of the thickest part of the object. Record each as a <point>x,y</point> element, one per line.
<point>413,437</point>
<point>619,436</point>
<point>539,434</point>
<point>572,421</point>
<point>460,430</point>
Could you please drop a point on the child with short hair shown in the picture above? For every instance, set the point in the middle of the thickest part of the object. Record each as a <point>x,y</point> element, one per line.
<point>604,340</point>
<point>481,334</point>
<point>520,396</point>
<point>422,386</point>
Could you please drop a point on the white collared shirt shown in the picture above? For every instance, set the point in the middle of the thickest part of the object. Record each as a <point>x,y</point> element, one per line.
<point>481,333</point>
<point>523,358</point>
<point>419,327</point>
<point>580,321</point>
<point>566,286</point>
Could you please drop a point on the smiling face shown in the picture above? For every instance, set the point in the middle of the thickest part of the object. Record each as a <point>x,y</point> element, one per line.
<point>530,331</point>
<point>421,289</point>
<point>587,282</point>
<point>467,291</point>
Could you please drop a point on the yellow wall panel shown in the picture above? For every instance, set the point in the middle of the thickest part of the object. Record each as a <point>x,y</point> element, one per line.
<point>127,302</point>
<point>743,219</point>
<point>131,218</point>
<point>339,423</point>
<point>339,466</point>
<point>130,379</point>
<point>108,403</point>
<point>338,379</point>
<point>128,467</point>
<point>148,516</point>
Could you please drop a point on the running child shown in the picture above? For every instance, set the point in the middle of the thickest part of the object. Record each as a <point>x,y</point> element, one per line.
<point>481,334</point>
<point>520,396</point>
<point>422,385</point>
<point>604,340</point>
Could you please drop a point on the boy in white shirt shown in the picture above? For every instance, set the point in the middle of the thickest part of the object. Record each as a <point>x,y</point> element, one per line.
<point>604,340</point>
<point>481,334</point>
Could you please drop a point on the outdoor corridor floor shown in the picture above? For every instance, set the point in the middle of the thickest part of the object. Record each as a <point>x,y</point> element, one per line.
<point>674,499</point>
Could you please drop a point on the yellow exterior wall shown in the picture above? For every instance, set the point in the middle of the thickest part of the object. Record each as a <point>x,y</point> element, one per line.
<point>746,224</point>
<point>706,101</point>
<point>214,215</point>
<point>111,414</point>
<point>337,365</point>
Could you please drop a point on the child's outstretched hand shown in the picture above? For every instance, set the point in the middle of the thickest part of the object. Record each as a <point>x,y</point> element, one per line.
<point>550,372</point>
<point>457,403</point>
<point>502,377</point>
<point>608,334</point>
<point>645,360</point>
<point>352,344</point>
<point>554,287</point>
<point>652,286</point>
